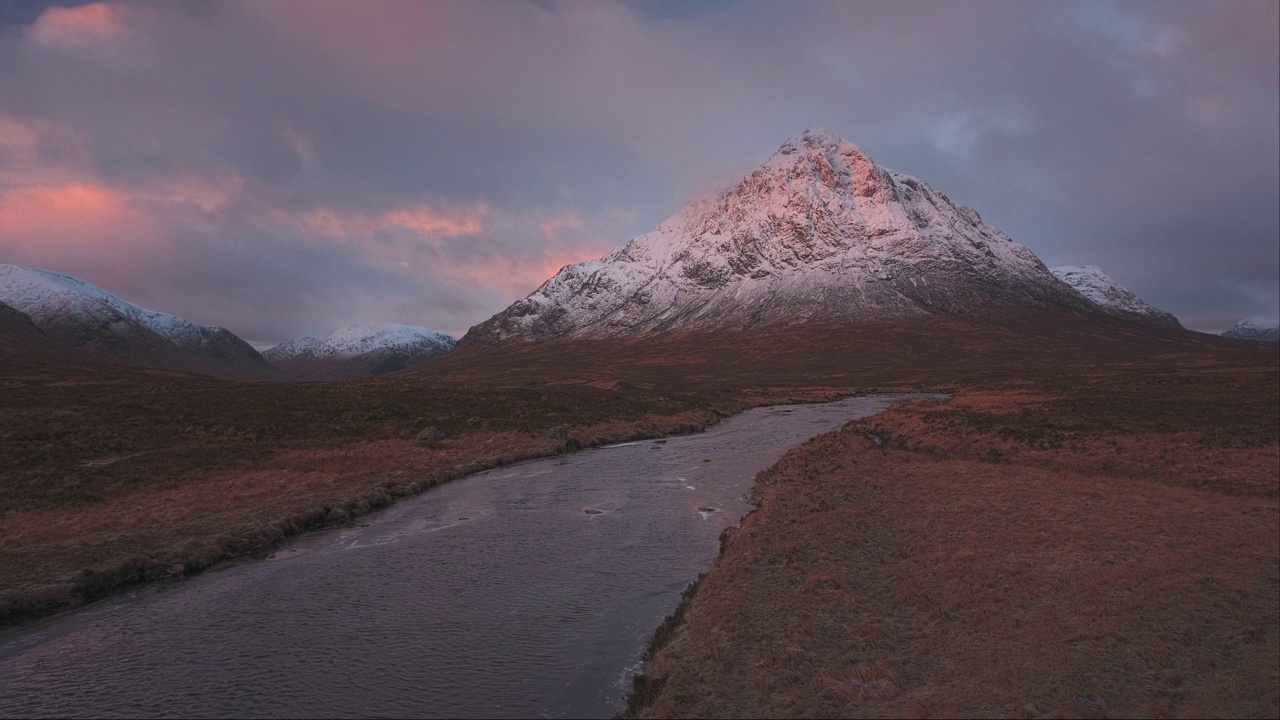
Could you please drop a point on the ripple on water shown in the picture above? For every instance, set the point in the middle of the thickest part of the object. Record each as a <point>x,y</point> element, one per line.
<point>479,598</point>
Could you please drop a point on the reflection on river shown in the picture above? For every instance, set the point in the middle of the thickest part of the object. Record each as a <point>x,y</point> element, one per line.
<point>530,590</point>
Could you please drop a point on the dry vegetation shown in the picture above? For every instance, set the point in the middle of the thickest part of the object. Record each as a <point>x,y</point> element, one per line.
<point>1101,544</point>
<point>1089,528</point>
<point>116,475</point>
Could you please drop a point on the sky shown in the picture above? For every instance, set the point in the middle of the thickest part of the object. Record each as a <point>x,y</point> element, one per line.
<point>282,168</point>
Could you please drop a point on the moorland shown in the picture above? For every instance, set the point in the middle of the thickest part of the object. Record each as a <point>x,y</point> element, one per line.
<point>1090,527</point>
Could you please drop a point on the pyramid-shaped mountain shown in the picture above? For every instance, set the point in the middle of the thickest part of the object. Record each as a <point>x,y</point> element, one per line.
<point>818,233</point>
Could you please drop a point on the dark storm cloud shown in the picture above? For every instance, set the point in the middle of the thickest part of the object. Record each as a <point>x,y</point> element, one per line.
<point>283,168</point>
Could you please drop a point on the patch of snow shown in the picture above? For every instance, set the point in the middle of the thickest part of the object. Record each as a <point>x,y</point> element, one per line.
<point>47,296</point>
<point>1265,331</point>
<point>1101,289</point>
<point>360,338</point>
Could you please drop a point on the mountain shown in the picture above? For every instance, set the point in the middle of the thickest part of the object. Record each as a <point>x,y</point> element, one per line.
<point>85,318</point>
<point>358,349</point>
<point>22,343</point>
<point>817,233</point>
<point>1254,330</point>
<point>1101,289</point>
<point>15,324</point>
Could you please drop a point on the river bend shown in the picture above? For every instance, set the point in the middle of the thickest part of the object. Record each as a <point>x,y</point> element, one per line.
<point>525,591</point>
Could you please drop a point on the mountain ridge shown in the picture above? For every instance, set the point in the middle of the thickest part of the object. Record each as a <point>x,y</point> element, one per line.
<point>358,349</point>
<point>1103,290</point>
<point>817,232</point>
<point>84,317</point>
<point>1254,330</point>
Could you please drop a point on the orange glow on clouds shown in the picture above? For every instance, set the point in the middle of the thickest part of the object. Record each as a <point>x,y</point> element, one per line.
<point>44,223</point>
<point>56,212</point>
<point>75,26</point>
<point>428,221</point>
<point>511,276</point>
<point>440,228</point>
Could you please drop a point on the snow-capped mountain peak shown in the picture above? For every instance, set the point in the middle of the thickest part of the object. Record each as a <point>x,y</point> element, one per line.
<point>359,338</point>
<point>79,314</point>
<point>43,294</point>
<point>818,231</point>
<point>1103,290</point>
<point>359,349</point>
<point>1261,330</point>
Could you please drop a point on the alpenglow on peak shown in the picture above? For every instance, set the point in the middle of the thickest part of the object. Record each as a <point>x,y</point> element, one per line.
<point>816,232</point>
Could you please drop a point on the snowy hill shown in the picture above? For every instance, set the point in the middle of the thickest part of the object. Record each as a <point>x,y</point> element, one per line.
<point>818,232</point>
<point>1101,289</point>
<point>86,318</point>
<point>1254,330</point>
<point>358,349</point>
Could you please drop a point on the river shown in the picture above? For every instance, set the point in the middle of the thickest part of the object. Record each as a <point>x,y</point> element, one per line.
<point>525,591</point>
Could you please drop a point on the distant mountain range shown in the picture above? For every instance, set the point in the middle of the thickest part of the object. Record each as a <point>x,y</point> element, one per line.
<point>41,311</point>
<point>817,233</point>
<point>85,318</point>
<point>1255,330</point>
<point>358,349</point>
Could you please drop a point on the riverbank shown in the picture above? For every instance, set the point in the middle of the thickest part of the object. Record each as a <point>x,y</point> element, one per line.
<point>117,475</point>
<point>1105,545</point>
<point>516,592</point>
<point>142,503</point>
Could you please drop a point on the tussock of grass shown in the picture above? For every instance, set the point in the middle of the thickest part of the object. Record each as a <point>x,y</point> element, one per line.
<point>117,475</point>
<point>914,578</point>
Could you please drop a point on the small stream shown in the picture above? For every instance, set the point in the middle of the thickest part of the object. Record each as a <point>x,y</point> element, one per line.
<point>526,591</point>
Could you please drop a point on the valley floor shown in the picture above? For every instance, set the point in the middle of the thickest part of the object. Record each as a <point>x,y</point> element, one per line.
<point>1007,555</point>
<point>1091,526</point>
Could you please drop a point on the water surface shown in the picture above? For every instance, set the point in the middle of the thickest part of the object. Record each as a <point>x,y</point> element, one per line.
<point>525,591</point>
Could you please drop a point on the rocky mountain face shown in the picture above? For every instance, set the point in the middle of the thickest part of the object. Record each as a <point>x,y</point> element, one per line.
<point>818,233</point>
<point>1254,330</point>
<point>358,349</point>
<point>1102,290</point>
<point>85,318</point>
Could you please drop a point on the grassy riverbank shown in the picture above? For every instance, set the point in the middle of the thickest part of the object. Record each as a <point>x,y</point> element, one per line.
<point>1094,544</point>
<point>117,475</point>
<point>188,471</point>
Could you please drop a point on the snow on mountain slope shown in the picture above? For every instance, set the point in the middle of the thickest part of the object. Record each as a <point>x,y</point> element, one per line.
<point>818,232</point>
<point>358,349</point>
<point>83,316</point>
<point>1101,289</point>
<point>1255,330</point>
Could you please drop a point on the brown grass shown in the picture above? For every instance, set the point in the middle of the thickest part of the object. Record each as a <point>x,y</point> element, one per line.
<point>926,577</point>
<point>1088,529</point>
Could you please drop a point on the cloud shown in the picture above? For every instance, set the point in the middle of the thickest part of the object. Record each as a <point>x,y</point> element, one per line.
<point>92,26</point>
<point>424,221</point>
<point>284,167</point>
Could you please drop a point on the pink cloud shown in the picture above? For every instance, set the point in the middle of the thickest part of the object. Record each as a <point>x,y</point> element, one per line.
<point>552,226</point>
<point>116,35</point>
<point>431,222</point>
<point>75,222</point>
<point>84,26</point>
